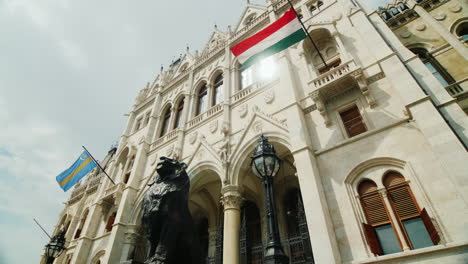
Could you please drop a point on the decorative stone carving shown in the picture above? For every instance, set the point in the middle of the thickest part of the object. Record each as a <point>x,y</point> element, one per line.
<point>319,102</point>
<point>131,237</point>
<point>243,110</point>
<point>440,16</point>
<point>455,8</point>
<point>269,96</point>
<point>420,27</point>
<point>143,94</point>
<point>362,82</point>
<point>257,126</point>
<point>231,201</point>
<point>201,154</point>
<point>193,137</point>
<point>213,126</point>
<point>224,149</point>
<point>405,34</point>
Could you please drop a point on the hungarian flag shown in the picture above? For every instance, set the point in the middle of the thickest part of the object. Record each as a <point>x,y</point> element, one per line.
<point>283,33</point>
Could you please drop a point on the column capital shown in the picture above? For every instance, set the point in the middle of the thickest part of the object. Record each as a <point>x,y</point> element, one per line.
<point>231,198</point>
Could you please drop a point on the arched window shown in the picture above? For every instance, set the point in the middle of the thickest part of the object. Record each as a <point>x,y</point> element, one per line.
<point>462,31</point>
<point>385,15</point>
<point>402,6</point>
<point>178,115</point>
<point>251,234</point>
<point>202,99</point>
<point>319,5</point>
<point>81,225</point>
<point>379,229</point>
<point>218,89</point>
<point>128,171</point>
<point>165,124</point>
<point>394,11</point>
<point>415,224</point>
<point>408,213</point>
<point>434,66</point>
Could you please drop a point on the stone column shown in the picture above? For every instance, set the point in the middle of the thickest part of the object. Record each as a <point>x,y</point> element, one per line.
<point>129,242</point>
<point>397,227</point>
<point>431,22</point>
<point>231,200</point>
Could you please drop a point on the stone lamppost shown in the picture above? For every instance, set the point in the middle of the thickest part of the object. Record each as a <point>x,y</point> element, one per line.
<point>266,164</point>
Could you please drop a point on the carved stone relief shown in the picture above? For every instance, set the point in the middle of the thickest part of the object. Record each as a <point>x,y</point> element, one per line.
<point>213,126</point>
<point>243,110</point>
<point>269,96</point>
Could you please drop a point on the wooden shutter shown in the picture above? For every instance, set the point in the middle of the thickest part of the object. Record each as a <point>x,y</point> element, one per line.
<point>403,202</point>
<point>374,209</point>
<point>372,239</point>
<point>352,121</point>
<point>430,227</point>
<point>110,222</point>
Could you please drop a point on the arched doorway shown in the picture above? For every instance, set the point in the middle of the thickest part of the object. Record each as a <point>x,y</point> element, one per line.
<point>204,205</point>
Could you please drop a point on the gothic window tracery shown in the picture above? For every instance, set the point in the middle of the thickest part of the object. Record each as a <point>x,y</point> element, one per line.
<point>178,115</point>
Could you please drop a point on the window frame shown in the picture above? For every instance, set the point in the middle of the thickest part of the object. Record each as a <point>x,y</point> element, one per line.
<point>178,113</point>
<point>202,92</point>
<point>218,89</point>
<point>165,122</point>
<point>344,107</point>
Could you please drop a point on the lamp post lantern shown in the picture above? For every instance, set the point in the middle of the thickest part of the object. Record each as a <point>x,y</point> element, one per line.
<point>55,247</point>
<point>266,164</point>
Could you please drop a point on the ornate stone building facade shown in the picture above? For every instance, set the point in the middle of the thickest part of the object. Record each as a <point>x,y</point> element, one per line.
<point>373,145</point>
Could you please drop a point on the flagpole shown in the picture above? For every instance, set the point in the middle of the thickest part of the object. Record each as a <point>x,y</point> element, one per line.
<point>97,163</point>
<point>41,228</point>
<point>307,32</point>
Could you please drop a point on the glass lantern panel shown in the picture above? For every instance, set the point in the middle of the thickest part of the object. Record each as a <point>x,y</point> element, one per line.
<point>259,165</point>
<point>277,167</point>
<point>270,165</point>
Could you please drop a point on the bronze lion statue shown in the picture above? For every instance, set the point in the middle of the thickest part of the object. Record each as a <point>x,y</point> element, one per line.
<point>166,218</point>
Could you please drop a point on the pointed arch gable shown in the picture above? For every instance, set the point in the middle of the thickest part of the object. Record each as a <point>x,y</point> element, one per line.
<point>244,150</point>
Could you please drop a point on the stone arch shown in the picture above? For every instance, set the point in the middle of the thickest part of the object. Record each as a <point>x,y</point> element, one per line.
<point>98,256</point>
<point>202,166</point>
<point>456,24</point>
<point>353,175</point>
<point>326,44</point>
<point>214,73</point>
<point>165,106</point>
<point>198,84</point>
<point>244,151</point>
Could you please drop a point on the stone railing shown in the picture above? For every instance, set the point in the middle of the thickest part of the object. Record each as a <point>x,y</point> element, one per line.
<point>242,93</point>
<point>196,120</point>
<point>458,88</point>
<point>169,136</point>
<point>213,110</point>
<point>333,74</point>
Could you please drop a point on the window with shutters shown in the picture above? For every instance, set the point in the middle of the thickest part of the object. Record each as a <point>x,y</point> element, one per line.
<point>402,212</point>
<point>353,121</point>
<point>417,232</point>
<point>379,229</point>
<point>110,222</point>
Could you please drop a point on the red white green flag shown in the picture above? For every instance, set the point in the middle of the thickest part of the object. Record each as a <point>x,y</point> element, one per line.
<point>283,33</point>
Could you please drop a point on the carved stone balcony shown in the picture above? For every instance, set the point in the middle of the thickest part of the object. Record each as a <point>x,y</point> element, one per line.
<point>168,137</point>
<point>336,81</point>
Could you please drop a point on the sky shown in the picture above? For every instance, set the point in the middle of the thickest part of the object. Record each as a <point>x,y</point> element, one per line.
<point>69,72</point>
